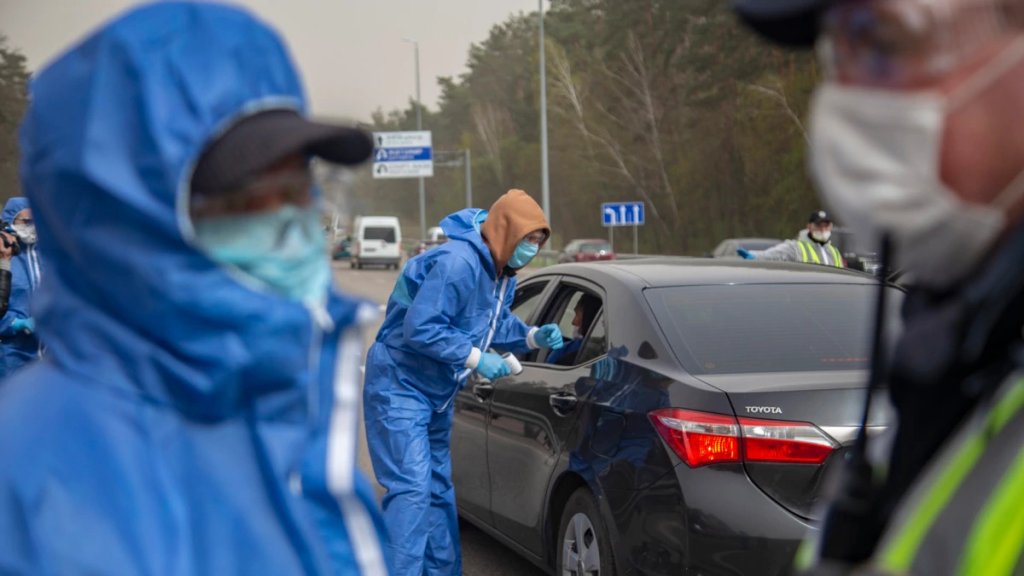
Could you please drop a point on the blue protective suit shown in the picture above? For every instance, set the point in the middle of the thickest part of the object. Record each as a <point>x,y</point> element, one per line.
<point>181,422</point>
<point>445,302</point>
<point>19,347</point>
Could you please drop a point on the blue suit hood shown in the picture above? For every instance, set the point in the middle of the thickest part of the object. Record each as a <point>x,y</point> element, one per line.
<point>465,225</point>
<point>128,297</point>
<point>12,207</point>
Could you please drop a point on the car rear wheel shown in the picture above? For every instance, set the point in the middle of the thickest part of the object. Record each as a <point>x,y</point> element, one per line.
<point>583,546</point>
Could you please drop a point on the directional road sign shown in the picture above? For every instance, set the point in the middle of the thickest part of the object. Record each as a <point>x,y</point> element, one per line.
<point>622,213</point>
<point>402,154</point>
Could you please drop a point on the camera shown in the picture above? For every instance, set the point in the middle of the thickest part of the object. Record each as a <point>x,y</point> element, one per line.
<point>13,245</point>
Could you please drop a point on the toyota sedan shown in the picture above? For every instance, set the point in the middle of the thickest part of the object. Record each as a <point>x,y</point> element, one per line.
<point>685,428</point>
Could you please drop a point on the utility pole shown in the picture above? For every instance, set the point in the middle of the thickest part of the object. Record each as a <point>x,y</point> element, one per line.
<point>419,126</point>
<point>545,195</point>
<point>469,178</point>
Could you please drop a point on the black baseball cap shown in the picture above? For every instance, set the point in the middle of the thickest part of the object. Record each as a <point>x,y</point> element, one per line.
<point>792,23</point>
<point>819,216</point>
<point>259,141</point>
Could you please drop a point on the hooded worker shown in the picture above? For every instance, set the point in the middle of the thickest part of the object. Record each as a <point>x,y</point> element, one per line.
<point>196,411</point>
<point>19,343</point>
<point>449,306</point>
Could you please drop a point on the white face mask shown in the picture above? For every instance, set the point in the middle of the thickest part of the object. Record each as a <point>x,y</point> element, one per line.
<point>821,235</point>
<point>25,232</point>
<point>875,158</point>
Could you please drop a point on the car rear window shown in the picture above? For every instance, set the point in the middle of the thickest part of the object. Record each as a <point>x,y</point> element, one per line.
<point>736,329</point>
<point>384,233</point>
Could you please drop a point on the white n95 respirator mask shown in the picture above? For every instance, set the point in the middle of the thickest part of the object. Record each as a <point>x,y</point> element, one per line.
<point>875,157</point>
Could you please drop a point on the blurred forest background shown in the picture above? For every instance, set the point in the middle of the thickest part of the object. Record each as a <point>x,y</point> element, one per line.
<point>672,103</point>
<point>668,102</point>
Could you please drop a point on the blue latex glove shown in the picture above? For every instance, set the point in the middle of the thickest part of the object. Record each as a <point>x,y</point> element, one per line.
<point>26,325</point>
<point>548,336</point>
<point>492,366</point>
<point>746,254</point>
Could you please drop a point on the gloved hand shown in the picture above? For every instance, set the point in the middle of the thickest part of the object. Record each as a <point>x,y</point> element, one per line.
<point>746,254</point>
<point>26,325</point>
<point>548,336</point>
<point>492,366</point>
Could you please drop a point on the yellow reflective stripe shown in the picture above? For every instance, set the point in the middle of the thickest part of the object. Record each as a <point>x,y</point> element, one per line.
<point>806,248</point>
<point>997,539</point>
<point>837,258</point>
<point>899,555</point>
<point>803,251</point>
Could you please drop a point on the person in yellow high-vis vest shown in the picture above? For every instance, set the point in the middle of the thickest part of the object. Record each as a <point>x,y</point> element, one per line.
<point>812,246</point>
<point>916,137</point>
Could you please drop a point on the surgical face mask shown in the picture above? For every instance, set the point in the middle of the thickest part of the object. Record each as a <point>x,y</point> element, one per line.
<point>821,235</point>
<point>524,252</point>
<point>25,232</point>
<point>875,157</point>
<point>284,250</point>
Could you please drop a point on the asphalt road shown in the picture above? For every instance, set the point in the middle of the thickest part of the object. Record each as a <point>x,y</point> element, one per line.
<point>481,554</point>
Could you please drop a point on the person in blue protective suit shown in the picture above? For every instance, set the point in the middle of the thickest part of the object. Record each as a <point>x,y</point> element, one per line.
<point>19,343</point>
<point>197,408</point>
<point>449,306</point>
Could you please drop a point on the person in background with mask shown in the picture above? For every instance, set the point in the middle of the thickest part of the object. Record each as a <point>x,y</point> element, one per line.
<point>197,409</point>
<point>9,247</point>
<point>19,343</point>
<point>584,312</point>
<point>917,135</point>
<point>812,246</point>
<point>449,306</point>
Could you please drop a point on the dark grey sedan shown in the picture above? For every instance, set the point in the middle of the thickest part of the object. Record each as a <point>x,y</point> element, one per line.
<point>686,425</point>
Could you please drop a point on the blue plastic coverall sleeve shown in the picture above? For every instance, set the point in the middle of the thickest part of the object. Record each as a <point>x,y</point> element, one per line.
<point>427,325</point>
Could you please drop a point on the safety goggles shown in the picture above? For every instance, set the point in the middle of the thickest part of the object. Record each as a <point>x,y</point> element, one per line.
<point>293,187</point>
<point>536,238</point>
<point>909,43</point>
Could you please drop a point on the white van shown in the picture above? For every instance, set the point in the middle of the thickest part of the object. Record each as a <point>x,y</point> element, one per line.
<point>376,240</point>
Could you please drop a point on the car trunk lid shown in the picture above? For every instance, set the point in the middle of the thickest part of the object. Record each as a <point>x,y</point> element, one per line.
<point>826,403</point>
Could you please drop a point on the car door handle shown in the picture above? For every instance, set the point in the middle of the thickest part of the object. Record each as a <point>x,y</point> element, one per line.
<point>563,402</point>
<point>483,391</point>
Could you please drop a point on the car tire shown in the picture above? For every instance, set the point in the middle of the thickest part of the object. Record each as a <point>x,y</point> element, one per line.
<point>584,548</point>
<point>352,264</point>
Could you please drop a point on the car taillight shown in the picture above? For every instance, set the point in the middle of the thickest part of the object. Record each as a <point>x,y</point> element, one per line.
<point>702,438</point>
<point>779,441</point>
<point>699,438</point>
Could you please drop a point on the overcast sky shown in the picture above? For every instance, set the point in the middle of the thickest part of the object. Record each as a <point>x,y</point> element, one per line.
<point>350,52</point>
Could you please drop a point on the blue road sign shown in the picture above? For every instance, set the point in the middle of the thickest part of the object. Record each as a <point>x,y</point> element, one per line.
<point>622,213</point>
<point>403,154</point>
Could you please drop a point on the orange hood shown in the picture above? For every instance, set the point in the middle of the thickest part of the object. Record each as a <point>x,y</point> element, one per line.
<point>514,215</point>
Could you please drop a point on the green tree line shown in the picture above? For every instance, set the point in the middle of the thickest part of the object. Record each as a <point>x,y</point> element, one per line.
<point>672,103</point>
<point>13,100</point>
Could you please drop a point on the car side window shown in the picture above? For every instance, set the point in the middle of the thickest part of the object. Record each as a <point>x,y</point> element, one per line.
<point>596,343</point>
<point>527,299</point>
<point>575,311</point>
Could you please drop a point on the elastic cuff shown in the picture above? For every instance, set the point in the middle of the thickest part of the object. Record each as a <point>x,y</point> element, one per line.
<point>529,339</point>
<point>474,358</point>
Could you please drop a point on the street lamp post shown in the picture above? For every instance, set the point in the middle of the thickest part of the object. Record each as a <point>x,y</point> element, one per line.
<point>545,196</point>
<point>469,178</point>
<point>419,126</point>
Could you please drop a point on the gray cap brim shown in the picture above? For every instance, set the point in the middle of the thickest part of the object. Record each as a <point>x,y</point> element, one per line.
<point>265,138</point>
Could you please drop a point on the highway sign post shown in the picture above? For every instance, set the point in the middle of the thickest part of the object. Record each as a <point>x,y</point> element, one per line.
<point>615,214</point>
